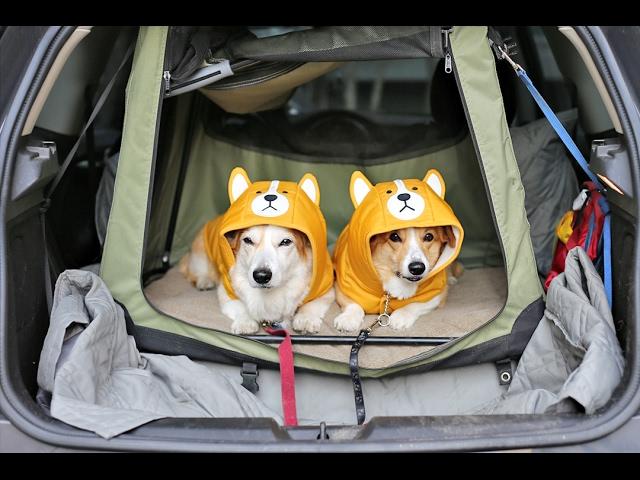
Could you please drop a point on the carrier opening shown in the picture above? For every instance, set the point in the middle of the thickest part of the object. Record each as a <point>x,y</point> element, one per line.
<point>387,118</point>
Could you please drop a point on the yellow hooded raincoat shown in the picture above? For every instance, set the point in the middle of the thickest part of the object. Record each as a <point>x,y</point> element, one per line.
<point>286,204</point>
<point>383,208</point>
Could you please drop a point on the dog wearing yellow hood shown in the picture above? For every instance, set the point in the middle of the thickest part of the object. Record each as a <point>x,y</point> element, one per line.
<point>398,244</point>
<point>268,255</point>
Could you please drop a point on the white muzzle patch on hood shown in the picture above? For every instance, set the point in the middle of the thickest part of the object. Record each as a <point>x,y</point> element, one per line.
<point>271,203</point>
<point>405,205</point>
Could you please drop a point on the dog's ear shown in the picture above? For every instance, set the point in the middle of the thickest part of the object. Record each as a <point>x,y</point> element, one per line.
<point>359,187</point>
<point>448,235</point>
<point>233,237</point>
<point>309,185</point>
<point>302,243</point>
<point>238,183</point>
<point>377,240</point>
<point>435,181</point>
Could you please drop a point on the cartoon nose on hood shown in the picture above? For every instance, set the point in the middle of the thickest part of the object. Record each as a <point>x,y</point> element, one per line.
<point>382,208</point>
<point>276,202</point>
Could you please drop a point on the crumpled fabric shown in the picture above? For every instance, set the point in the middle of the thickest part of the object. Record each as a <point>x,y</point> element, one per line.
<point>93,377</point>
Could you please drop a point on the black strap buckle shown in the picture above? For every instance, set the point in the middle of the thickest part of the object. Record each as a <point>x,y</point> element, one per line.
<point>249,375</point>
<point>497,42</point>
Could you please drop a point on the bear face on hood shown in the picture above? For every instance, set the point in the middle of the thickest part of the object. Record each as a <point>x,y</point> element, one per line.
<point>277,202</point>
<point>382,208</point>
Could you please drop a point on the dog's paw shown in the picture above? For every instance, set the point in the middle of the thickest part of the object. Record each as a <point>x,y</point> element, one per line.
<point>244,326</point>
<point>348,321</point>
<point>204,283</point>
<point>306,322</point>
<point>451,280</point>
<point>401,320</point>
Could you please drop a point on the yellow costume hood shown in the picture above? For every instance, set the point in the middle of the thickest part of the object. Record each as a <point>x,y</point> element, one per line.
<point>383,208</point>
<point>286,204</point>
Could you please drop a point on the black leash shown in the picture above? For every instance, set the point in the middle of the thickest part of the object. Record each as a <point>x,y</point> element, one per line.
<point>381,321</point>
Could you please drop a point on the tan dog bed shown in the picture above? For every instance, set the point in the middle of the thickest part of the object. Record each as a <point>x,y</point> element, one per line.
<point>477,297</point>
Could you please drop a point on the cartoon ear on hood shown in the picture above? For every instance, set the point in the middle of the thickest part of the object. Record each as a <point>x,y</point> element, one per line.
<point>435,181</point>
<point>238,183</point>
<point>359,187</point>
<point>309,185</point>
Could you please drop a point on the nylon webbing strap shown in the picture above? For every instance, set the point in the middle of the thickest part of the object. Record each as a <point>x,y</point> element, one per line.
<point>608,287</point>
<point>287,376</point>
<point>63,169</point>
<point>577,154</point>
<point>94,113</point>
<point>558,127</point>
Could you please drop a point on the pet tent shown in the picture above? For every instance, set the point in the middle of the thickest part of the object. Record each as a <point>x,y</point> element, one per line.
<point>174,164</point>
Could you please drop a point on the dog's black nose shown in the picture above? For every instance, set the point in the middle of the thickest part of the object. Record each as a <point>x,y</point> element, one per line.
<point>415,268</point>
<point>262,276</point>
<point>404,197</point>
<point>270,197</point>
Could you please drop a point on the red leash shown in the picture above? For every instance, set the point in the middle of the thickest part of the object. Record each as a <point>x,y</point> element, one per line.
<point>287,378</point>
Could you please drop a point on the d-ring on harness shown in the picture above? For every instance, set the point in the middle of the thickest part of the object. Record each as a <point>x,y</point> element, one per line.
<point>383,320</point>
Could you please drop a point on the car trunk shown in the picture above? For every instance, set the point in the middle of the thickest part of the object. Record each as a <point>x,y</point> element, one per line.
<point>418,408</point>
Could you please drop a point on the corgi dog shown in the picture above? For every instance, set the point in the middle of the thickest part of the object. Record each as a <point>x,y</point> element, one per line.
<point>267,254</point>
<point>405,239</point>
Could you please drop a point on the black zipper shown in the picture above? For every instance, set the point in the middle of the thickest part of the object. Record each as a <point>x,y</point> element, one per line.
<point>437,350</point>
<point>161,94</point>
<point>182,173</point>
<point>447,50</point>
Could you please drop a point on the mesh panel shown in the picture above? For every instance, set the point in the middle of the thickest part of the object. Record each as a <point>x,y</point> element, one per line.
<point>342,44</point>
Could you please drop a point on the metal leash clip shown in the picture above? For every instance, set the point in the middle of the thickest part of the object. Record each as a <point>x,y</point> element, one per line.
<point>506,56</point>
<point>384,319</point>
<point>276,325</point>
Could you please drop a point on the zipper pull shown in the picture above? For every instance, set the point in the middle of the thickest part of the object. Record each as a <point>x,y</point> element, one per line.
<point>167,80</point>
<point>447,56</point>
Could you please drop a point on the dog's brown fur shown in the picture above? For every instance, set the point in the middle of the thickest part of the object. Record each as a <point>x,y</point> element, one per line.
<point>387,255</point>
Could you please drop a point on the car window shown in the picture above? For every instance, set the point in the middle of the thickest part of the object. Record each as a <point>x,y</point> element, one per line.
<point>383,87</point>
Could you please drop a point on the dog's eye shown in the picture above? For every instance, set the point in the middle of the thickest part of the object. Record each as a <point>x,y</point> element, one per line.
<point>247,240</point>
<point>284,191</point>
<point>414,188</point>
<point>428,237</point>
<point>394,237</point>
<point>285,242</point>
<point>259,191</point>
<point>388,191</point>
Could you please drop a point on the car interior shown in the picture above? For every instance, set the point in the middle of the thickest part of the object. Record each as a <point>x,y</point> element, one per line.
<point>354,115</point>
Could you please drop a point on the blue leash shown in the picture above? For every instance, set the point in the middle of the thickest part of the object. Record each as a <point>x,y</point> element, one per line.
<point>573,148</point>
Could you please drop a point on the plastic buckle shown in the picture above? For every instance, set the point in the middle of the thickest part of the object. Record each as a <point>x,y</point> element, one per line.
<point>249,376</point>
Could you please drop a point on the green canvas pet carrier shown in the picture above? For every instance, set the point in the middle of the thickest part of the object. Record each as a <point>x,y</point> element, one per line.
<point>200,102</point>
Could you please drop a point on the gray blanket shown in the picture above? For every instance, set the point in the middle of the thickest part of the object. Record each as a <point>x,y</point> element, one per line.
<point>573,361</point>
<point>93,377</point>
<point>100,382</point>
